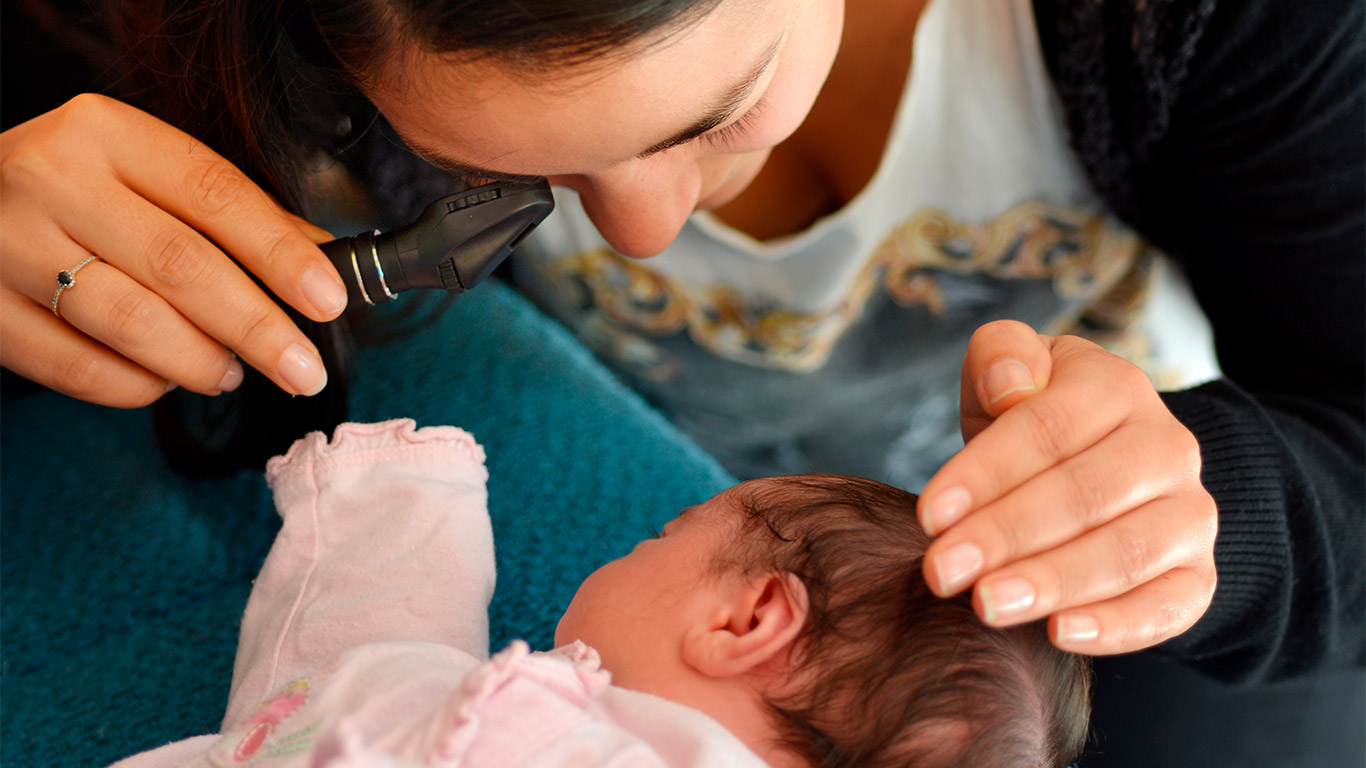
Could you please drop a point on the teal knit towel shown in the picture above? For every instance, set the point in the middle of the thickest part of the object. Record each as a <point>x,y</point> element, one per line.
<point>123,584</point>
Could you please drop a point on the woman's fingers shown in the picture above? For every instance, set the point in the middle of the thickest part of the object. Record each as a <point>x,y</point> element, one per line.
<point>185,178</point>
<point>1078,495</point>
<point>112,308</point>
<point>1099,565</point>
<point>163,212</point>
<point>1149,614</point>
<point>1108,564</point>
<point>199,283</point>
<point>1006,362</point>
<point>117,311</point>
<point>1083,492</point>
<point>42,348</point>
<point>1072,413</point>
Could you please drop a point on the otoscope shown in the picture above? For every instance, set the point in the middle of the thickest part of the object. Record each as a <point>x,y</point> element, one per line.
<point>455,243</point>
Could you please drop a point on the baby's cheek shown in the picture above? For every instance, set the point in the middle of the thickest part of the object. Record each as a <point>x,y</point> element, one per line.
<point>586,608</point>
<point>561,631</point>
<point>568,630</point>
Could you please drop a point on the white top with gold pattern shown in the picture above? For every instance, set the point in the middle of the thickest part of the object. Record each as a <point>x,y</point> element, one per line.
<point>838,348</point>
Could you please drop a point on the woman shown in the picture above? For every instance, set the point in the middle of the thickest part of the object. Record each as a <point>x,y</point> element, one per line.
<point>882,181</point>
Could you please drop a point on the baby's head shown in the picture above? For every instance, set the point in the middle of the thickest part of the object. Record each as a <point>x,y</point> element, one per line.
<point>793,611</point>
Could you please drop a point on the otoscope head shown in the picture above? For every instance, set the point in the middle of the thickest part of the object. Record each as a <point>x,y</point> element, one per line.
<point>455,243</point>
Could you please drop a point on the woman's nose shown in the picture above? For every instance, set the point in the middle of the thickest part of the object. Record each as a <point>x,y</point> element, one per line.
<point>639,207</point>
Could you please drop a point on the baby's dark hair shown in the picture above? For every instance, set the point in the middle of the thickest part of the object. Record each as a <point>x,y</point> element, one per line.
<point>889,673</point>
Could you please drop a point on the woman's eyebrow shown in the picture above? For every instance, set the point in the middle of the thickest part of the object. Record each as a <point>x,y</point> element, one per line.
<point>718,114</point>
<point>724,108</point>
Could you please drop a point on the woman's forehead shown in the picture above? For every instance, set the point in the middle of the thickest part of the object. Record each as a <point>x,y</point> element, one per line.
<point>482,113</point>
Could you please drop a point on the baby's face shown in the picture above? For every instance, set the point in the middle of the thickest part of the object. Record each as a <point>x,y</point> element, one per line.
<point>635,609</point>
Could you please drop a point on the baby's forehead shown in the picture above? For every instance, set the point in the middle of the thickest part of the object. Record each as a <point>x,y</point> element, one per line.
<point>833,499</point>
<point>783,489</point>
<point>723,506</point>
<point>750,490</point>
<point>737,498</point>
<point>743,502</point>
<point>731,506</point>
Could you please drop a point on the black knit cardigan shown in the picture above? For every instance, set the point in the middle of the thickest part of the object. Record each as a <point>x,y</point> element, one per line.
<point>1233,135</point>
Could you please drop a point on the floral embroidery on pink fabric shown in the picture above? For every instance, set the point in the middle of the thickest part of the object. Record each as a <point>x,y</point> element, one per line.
<point>244,743</point>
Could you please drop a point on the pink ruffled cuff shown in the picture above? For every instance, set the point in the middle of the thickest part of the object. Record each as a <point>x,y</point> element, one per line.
<point>395,439</point>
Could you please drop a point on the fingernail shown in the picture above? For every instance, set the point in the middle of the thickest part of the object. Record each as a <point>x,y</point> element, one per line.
<point>170,385</point>
<point>303,370</point>
<point>957,566</point>
<point>1076,629</point>
<point>1006,598</point>
<point>945,508</point>
<point>232,378</point>
<point>1006,377</point>
<point>326,292</point>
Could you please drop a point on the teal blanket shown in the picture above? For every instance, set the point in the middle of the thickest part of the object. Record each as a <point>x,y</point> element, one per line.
<point>123,583</point>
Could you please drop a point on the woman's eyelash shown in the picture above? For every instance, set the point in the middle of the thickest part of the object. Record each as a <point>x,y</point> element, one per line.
<point>736,130</point>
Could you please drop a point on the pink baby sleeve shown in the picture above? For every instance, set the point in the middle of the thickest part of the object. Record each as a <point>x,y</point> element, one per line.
<point>385,536</point>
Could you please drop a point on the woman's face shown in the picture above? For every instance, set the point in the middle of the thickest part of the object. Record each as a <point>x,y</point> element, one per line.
<point>644,138</point>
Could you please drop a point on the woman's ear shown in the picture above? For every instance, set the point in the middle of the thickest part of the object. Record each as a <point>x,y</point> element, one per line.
<point>752,625</point>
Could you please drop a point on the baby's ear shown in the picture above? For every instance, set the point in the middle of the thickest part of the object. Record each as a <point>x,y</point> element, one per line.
<point>754,623</point>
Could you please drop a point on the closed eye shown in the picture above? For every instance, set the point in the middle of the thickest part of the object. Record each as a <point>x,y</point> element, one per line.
<point>735,131</point>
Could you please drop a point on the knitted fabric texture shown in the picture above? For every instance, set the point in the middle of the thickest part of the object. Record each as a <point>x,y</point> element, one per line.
<point>123,583</point>
<point>1118,68</point>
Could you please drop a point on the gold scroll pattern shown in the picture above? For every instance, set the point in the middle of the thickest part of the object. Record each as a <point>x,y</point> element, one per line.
<point>1100,269</point>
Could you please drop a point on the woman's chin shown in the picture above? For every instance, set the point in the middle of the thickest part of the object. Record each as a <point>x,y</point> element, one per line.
<point>713,202</point>
<point>733,186</point>
<point>723,194</point>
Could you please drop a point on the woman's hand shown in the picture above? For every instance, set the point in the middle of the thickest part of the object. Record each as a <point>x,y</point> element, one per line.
<point>1077,497</point>
<point>164,305</point>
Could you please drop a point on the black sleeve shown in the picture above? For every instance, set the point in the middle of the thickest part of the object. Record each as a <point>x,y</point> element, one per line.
<point>1257,188</point>
<point>1259,191</point>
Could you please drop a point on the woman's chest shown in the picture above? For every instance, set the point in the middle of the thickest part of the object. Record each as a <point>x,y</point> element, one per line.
<point>839,147</point>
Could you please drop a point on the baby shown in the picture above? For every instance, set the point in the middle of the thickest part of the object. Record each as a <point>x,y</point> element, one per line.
<point>782,622</point>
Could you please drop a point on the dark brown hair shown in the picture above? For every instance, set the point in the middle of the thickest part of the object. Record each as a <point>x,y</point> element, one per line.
<point>267,84</point>
<point>892,675</point>
<point>274,87</point>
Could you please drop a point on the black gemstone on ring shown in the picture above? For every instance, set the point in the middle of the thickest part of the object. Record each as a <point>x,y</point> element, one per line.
<point>65,279</point>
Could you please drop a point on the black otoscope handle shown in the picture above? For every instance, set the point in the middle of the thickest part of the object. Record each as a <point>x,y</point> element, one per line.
<point>454,244</point>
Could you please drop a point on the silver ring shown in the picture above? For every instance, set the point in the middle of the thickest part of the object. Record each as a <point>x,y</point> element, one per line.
<point>67,279</point>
